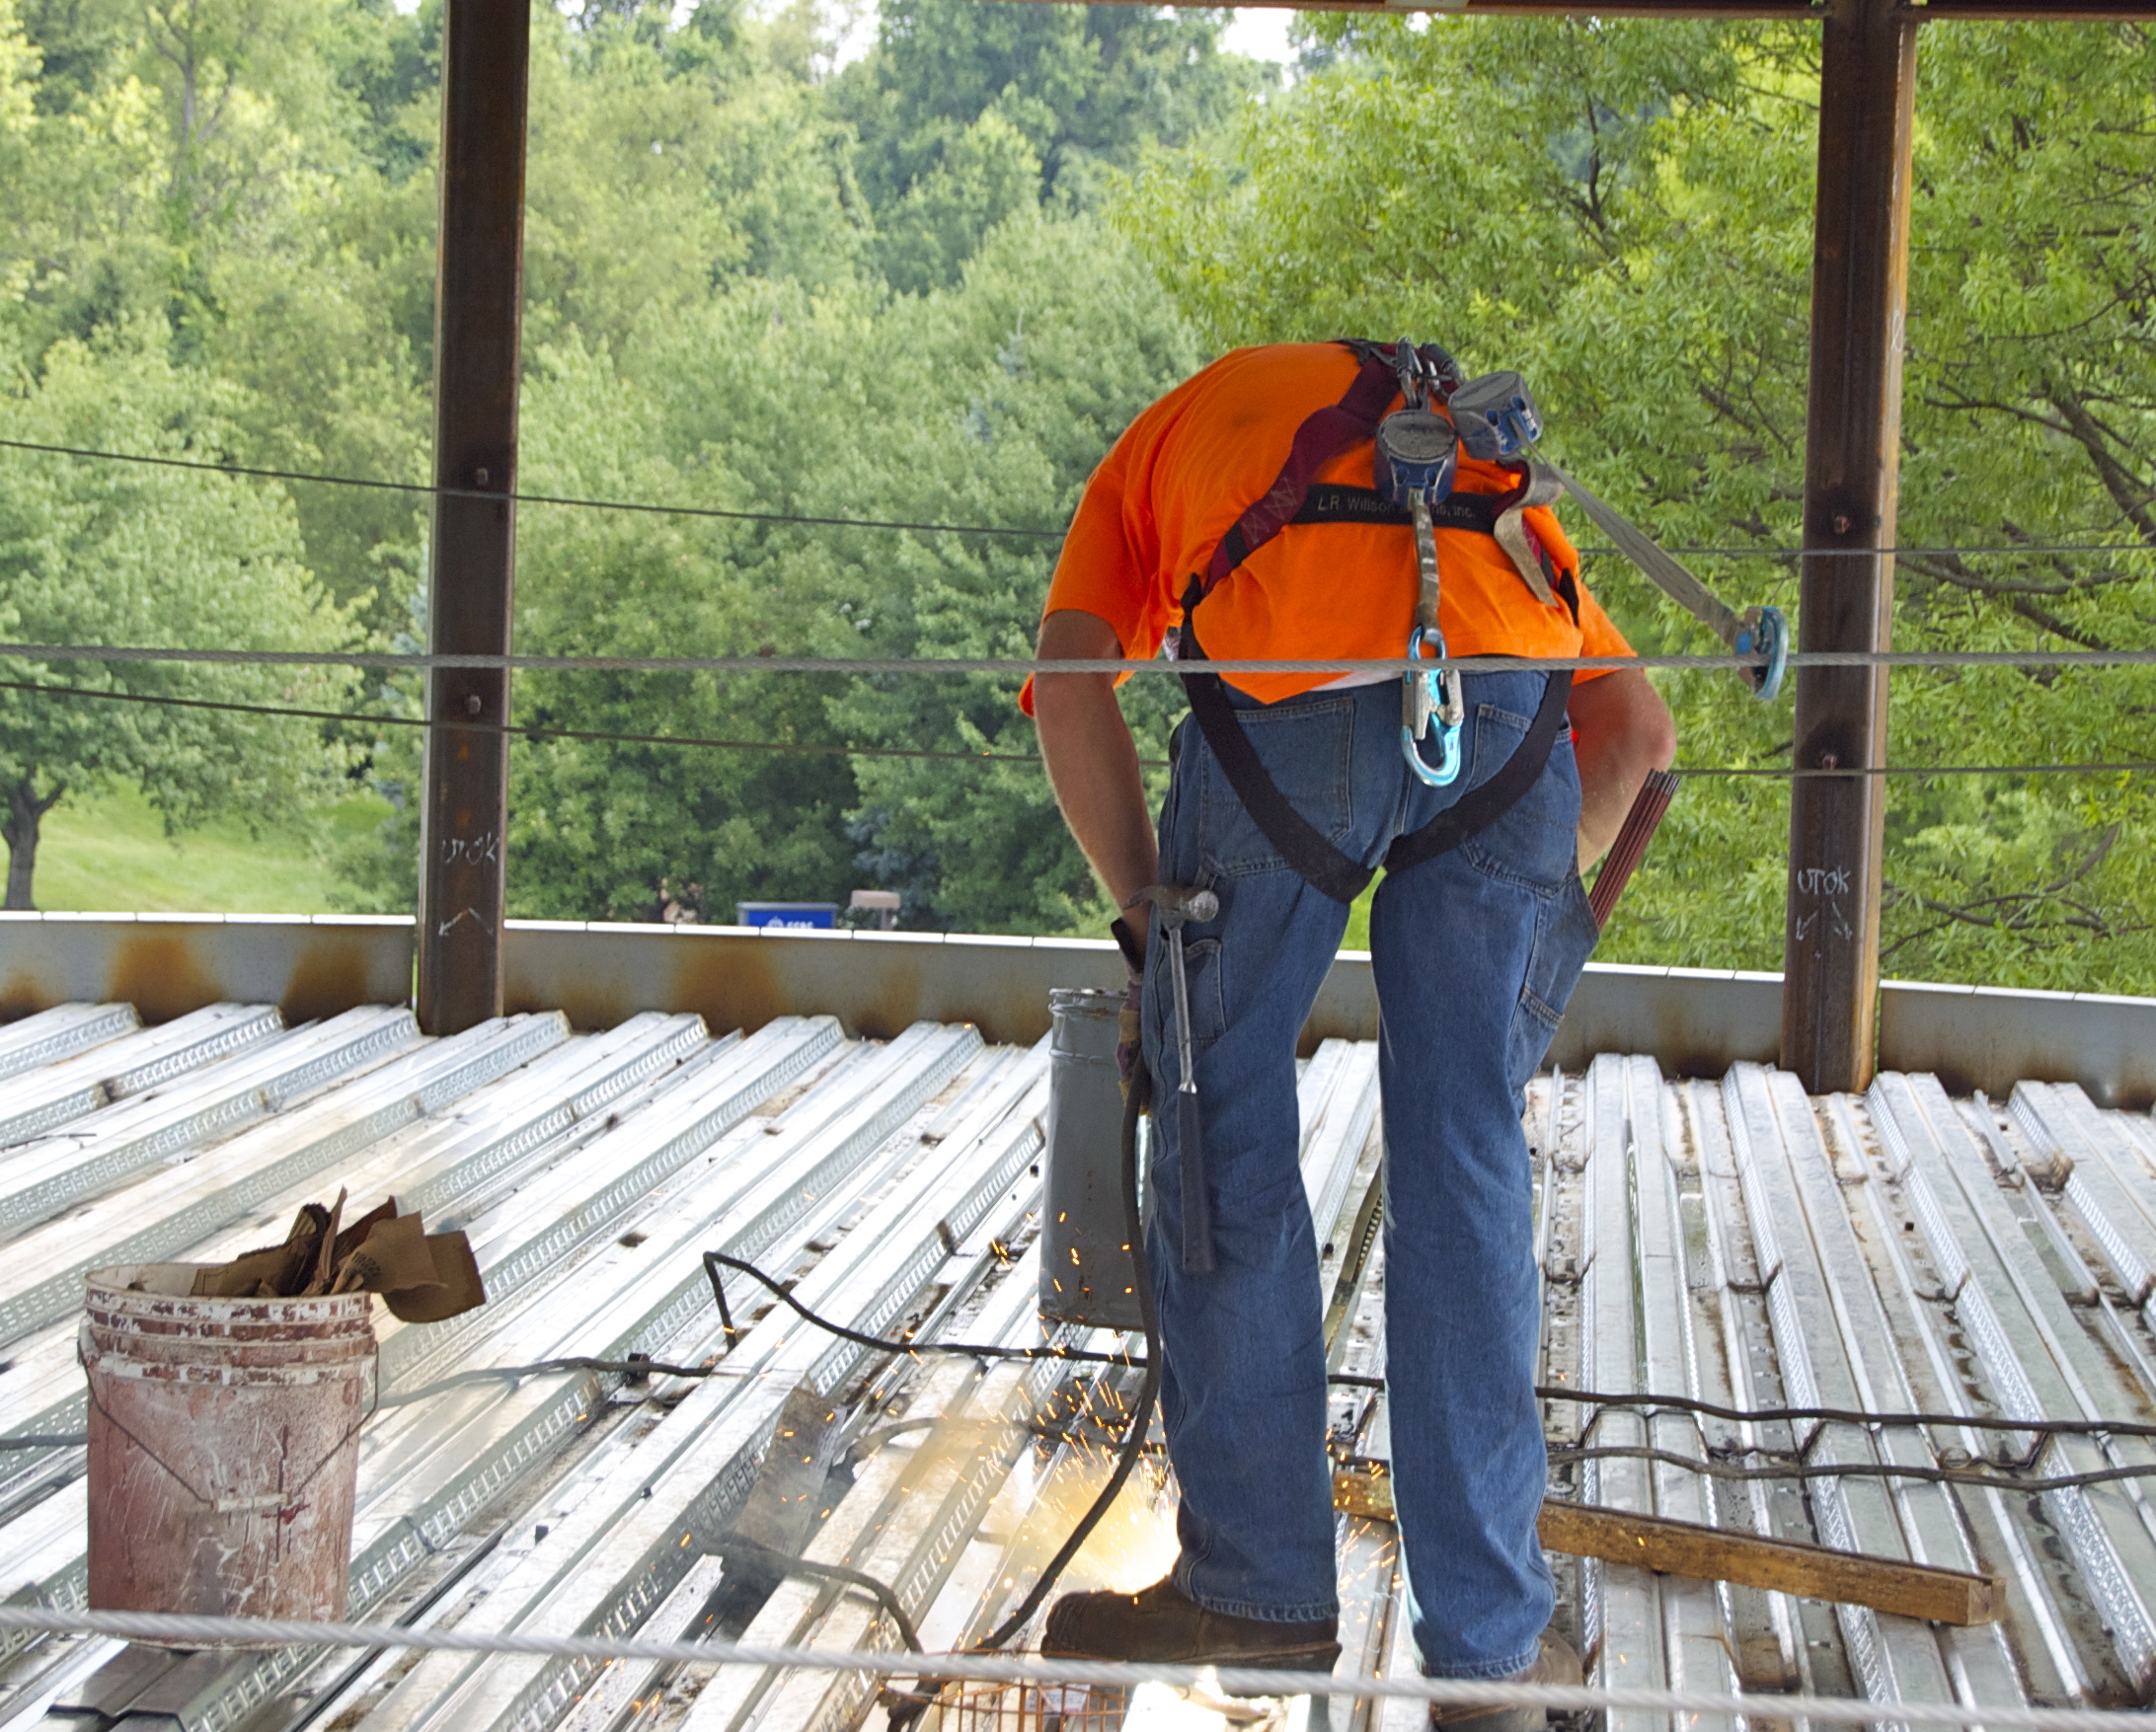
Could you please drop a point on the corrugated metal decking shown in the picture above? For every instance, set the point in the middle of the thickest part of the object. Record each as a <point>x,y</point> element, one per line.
<point>1732,1242</point>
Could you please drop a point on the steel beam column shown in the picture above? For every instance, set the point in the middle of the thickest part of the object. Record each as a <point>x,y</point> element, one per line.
<point>478,318</point>
<point>1858,298</point>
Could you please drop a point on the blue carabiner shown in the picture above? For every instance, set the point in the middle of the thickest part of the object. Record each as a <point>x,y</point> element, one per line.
<point>1766,634</point>
<point>1447,769</point>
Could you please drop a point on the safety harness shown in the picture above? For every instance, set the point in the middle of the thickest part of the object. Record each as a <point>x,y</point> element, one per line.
<point>1494,418</point>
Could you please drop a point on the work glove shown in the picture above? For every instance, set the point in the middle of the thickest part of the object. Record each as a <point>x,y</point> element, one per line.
<point>1129,1027</point>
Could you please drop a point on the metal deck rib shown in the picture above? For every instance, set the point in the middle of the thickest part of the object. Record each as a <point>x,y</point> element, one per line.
<point>1730,1240</point>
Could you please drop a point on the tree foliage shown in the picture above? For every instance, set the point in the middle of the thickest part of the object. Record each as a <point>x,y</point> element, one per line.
<point>933,287</point>
<point>1624,211</point>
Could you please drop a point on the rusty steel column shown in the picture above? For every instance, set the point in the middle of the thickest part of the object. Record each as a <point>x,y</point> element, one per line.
<point>478,291</point>
<point>1858,299</point>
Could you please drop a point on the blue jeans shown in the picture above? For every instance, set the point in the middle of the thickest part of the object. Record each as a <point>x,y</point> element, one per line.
<point>1476,952</point>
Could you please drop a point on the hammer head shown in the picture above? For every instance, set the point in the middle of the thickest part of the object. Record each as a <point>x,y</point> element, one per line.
<point>1181,902</point>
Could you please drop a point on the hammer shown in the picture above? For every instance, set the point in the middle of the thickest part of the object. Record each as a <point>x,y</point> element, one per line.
<point>1176,904</point>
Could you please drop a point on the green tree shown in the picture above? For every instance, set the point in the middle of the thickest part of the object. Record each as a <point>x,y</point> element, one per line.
<point>1624,212</point>
<point>1056,341</point>
<point>968,111</point>
<point>116,555</point>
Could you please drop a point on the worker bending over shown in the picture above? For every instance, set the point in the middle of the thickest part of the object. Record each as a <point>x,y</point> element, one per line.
<point>1237,518</point>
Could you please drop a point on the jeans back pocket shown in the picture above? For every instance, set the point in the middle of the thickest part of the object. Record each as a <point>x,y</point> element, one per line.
<point>1308,749</point>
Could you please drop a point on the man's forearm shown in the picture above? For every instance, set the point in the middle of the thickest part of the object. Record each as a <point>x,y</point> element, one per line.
<point>1092,760</point>
<point>1625,731</point>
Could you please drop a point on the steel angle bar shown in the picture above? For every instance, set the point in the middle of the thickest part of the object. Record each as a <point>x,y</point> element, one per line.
<point>639,1539</point>
<point>1348,1248</point>
<point>46,1037</point>
<point>597,1070</point>
<point>885,1526</point>
<point>1336,1139</point>
<point>1622,1610</point>
<point>1007,1318</point>
<point>1886,1519</point>
<point>1697,1650</point>
<point>2059,1119</point>
<point>170,1211</point>
<point>2040,1361</point>
<point>1314,1080</point>
<point>1401,1661</point>
<point>43,1177</point>
<point>1896,1324</point>
<point>1806,1339</point>
<point>2002,1663</point>
<point>455,1462</point>
<point>1807,1633</point>
<point>1372,1613</point>
<point>1760,1637</point>
<point>530,1244</point>
<point>73,1087</point>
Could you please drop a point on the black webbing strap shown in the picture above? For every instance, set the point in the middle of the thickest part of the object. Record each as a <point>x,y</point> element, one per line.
<point>1306,849</point>
<point>1296,497</point>
<point>1331,502</point>
<point>1482,805</point>
<point>1292,836</point>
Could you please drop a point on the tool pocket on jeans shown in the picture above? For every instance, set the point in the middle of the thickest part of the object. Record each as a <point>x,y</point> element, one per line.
<point>1308,749</point>
<point>1208,1004</point>
<point>1564,937</point>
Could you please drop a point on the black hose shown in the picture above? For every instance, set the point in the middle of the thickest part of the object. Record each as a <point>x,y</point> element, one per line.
<point>1141,1412</point>
<point>714,1261</point>
<point>731,1546</point>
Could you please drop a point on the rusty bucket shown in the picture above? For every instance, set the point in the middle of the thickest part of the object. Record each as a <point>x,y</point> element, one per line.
<point>224,1445</point>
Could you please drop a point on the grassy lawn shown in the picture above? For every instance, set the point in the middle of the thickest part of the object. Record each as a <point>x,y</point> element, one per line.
<point>109,854</point>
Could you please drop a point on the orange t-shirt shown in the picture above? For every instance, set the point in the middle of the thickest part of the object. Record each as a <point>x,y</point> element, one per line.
<point>1190,465</point>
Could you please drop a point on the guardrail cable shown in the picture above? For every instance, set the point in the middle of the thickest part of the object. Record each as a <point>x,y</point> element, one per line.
<point>251,472</point>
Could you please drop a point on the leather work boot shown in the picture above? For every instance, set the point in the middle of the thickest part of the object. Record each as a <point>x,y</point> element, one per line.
<point>1162,1626</point>
<point>1555,1664</point>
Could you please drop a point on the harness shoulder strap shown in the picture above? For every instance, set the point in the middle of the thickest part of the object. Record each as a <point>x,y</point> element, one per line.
<point>1296,497</point>
<point>1482,805</point>
<point>1323,435</point>
<point>1294,837</point>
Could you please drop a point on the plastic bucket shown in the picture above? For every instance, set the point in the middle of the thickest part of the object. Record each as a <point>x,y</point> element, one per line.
<point>224,1445</point>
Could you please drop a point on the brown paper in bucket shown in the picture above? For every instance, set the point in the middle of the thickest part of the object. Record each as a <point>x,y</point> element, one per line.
<point>422,1277</point>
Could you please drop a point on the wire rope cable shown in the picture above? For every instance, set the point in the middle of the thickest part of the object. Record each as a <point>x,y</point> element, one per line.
<point>970,1667</point>
<point>654,507</point>
<point>418,661</point>
<point>539,731</point>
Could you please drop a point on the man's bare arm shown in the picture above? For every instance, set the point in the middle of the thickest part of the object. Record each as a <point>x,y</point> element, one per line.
<point>1625,730</point>
<point>1092,760</point>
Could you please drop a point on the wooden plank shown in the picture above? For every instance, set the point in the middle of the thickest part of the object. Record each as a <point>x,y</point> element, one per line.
<point>1859,295</point>
<point>478,319</point>
<point>1685,1549</point>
